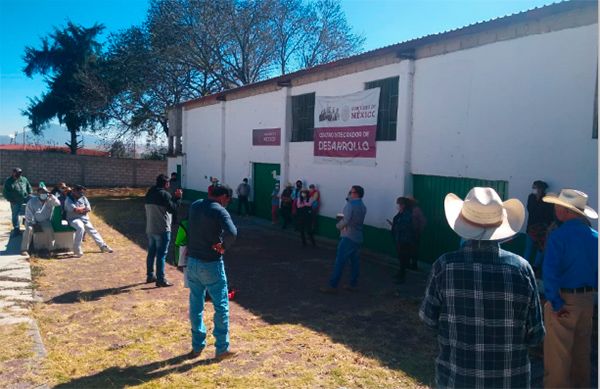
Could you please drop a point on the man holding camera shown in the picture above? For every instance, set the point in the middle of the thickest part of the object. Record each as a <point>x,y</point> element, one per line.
<point>38,212</point>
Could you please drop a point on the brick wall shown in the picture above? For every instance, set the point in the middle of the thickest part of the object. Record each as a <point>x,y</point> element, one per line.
<point>79,169</point>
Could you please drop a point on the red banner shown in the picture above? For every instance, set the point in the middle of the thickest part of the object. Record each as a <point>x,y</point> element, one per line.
<point>266,137</point>
<point>345,142</point>
<point>345,127</point>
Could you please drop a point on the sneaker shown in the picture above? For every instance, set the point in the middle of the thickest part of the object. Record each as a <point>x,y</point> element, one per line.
<point>150,279</point>
<point>106,249</point>
<point>24,253</point>
<point>163,284</point>
<point>194,354</point>
<point>78,255</point>
<point>225,355</point>
<point>328,290</point>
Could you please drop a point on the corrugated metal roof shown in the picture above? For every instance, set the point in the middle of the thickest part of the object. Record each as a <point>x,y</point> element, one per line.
<point>528,15</point>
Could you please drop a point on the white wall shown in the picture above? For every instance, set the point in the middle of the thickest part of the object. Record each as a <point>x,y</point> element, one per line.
<point>242,116</point>
<point>383,182</point>
<point>172,163</point>
<point>517,110</point>
<point>201,146</point>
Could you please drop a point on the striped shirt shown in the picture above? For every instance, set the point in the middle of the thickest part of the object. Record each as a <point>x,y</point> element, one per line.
<point>484,304</point>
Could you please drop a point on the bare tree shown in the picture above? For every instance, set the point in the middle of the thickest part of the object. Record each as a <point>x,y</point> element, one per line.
<point>291,19</point>
<point>140,77</point>
<point>329,35</point>
<point>232,40</point>
<point>190,48</point>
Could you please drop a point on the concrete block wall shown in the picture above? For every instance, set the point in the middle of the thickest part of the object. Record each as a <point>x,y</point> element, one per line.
<point>91,171</point>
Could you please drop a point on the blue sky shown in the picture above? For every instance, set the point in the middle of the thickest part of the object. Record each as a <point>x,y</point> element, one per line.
<point>382,22</point>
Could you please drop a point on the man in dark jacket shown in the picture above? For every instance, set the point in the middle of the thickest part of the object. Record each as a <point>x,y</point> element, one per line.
<point>16,190</point>
<point>160,206</point>
<point>211,232</point>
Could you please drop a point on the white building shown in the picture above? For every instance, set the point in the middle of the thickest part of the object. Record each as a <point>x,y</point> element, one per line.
<point>500,103</point>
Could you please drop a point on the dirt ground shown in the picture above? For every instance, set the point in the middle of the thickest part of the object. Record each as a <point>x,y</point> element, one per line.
<point>104,327</point>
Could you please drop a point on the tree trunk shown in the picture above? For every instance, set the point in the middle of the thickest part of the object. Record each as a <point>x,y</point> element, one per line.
<point>165,127</point>
<point>73,144</point>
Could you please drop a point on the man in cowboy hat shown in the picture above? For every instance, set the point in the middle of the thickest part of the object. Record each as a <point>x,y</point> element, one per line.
<point>483,301</point>
<point>570,284</point>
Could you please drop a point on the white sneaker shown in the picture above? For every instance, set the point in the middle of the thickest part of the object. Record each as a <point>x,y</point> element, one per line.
<point>106,249</point>
<point>77,255</point>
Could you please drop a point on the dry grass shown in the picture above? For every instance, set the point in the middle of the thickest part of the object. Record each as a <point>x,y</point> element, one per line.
<point>15,342</point>
<point>17,359</point>
<point>103,327</point>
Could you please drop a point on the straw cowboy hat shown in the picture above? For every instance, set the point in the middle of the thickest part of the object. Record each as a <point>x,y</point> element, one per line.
<point>483,215</point>
<point>574,200</point>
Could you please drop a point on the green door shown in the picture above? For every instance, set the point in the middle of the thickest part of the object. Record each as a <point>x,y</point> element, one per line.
<point>264,181</point>
<point>430,192</point>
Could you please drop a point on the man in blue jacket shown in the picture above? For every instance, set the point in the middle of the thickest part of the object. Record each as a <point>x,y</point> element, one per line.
<point>211,233</point>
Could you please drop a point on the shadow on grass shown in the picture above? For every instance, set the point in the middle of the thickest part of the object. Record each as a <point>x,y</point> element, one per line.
<point>121,377</point>
<point>278,280</point>
<point>124,214</point>
<point>76,296</point>
<point>13,246</point>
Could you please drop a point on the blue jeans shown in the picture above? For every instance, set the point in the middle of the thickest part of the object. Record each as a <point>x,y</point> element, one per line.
<point>158,245</point>
<point>347,250</point>
<point>15,209</point>
<point>203,276</point>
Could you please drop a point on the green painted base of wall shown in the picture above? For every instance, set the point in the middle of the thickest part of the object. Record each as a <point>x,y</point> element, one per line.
<point>191,195</point>
<point>376,239</point>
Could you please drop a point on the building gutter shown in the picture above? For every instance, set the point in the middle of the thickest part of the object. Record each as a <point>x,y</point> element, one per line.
<point>408,124</point>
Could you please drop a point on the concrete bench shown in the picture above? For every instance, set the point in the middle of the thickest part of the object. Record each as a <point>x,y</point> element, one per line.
<point>63,235</point>
<point>63,232</point>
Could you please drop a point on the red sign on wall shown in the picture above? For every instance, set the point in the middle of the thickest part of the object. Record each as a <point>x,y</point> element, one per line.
<point>266,137</point>
<point>345,142</point>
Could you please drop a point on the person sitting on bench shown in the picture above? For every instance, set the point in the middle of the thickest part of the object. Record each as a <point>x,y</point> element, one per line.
<point>38,212</point>
<point>78,207</point>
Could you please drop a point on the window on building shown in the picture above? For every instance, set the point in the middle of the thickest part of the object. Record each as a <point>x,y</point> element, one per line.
<point>387,117</point>
<point>303,117</point>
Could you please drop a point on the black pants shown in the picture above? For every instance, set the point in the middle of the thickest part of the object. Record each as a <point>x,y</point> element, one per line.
<point>243,201</point>
<point>286,215</point>
<point>305,227</point>
<point>406,251</point>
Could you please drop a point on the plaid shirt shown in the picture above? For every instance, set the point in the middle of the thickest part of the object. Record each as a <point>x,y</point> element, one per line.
<point>484,303</point>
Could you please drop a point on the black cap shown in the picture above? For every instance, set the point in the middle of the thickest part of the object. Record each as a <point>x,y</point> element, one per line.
<point>79,187</point>
<point>17,170</point>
